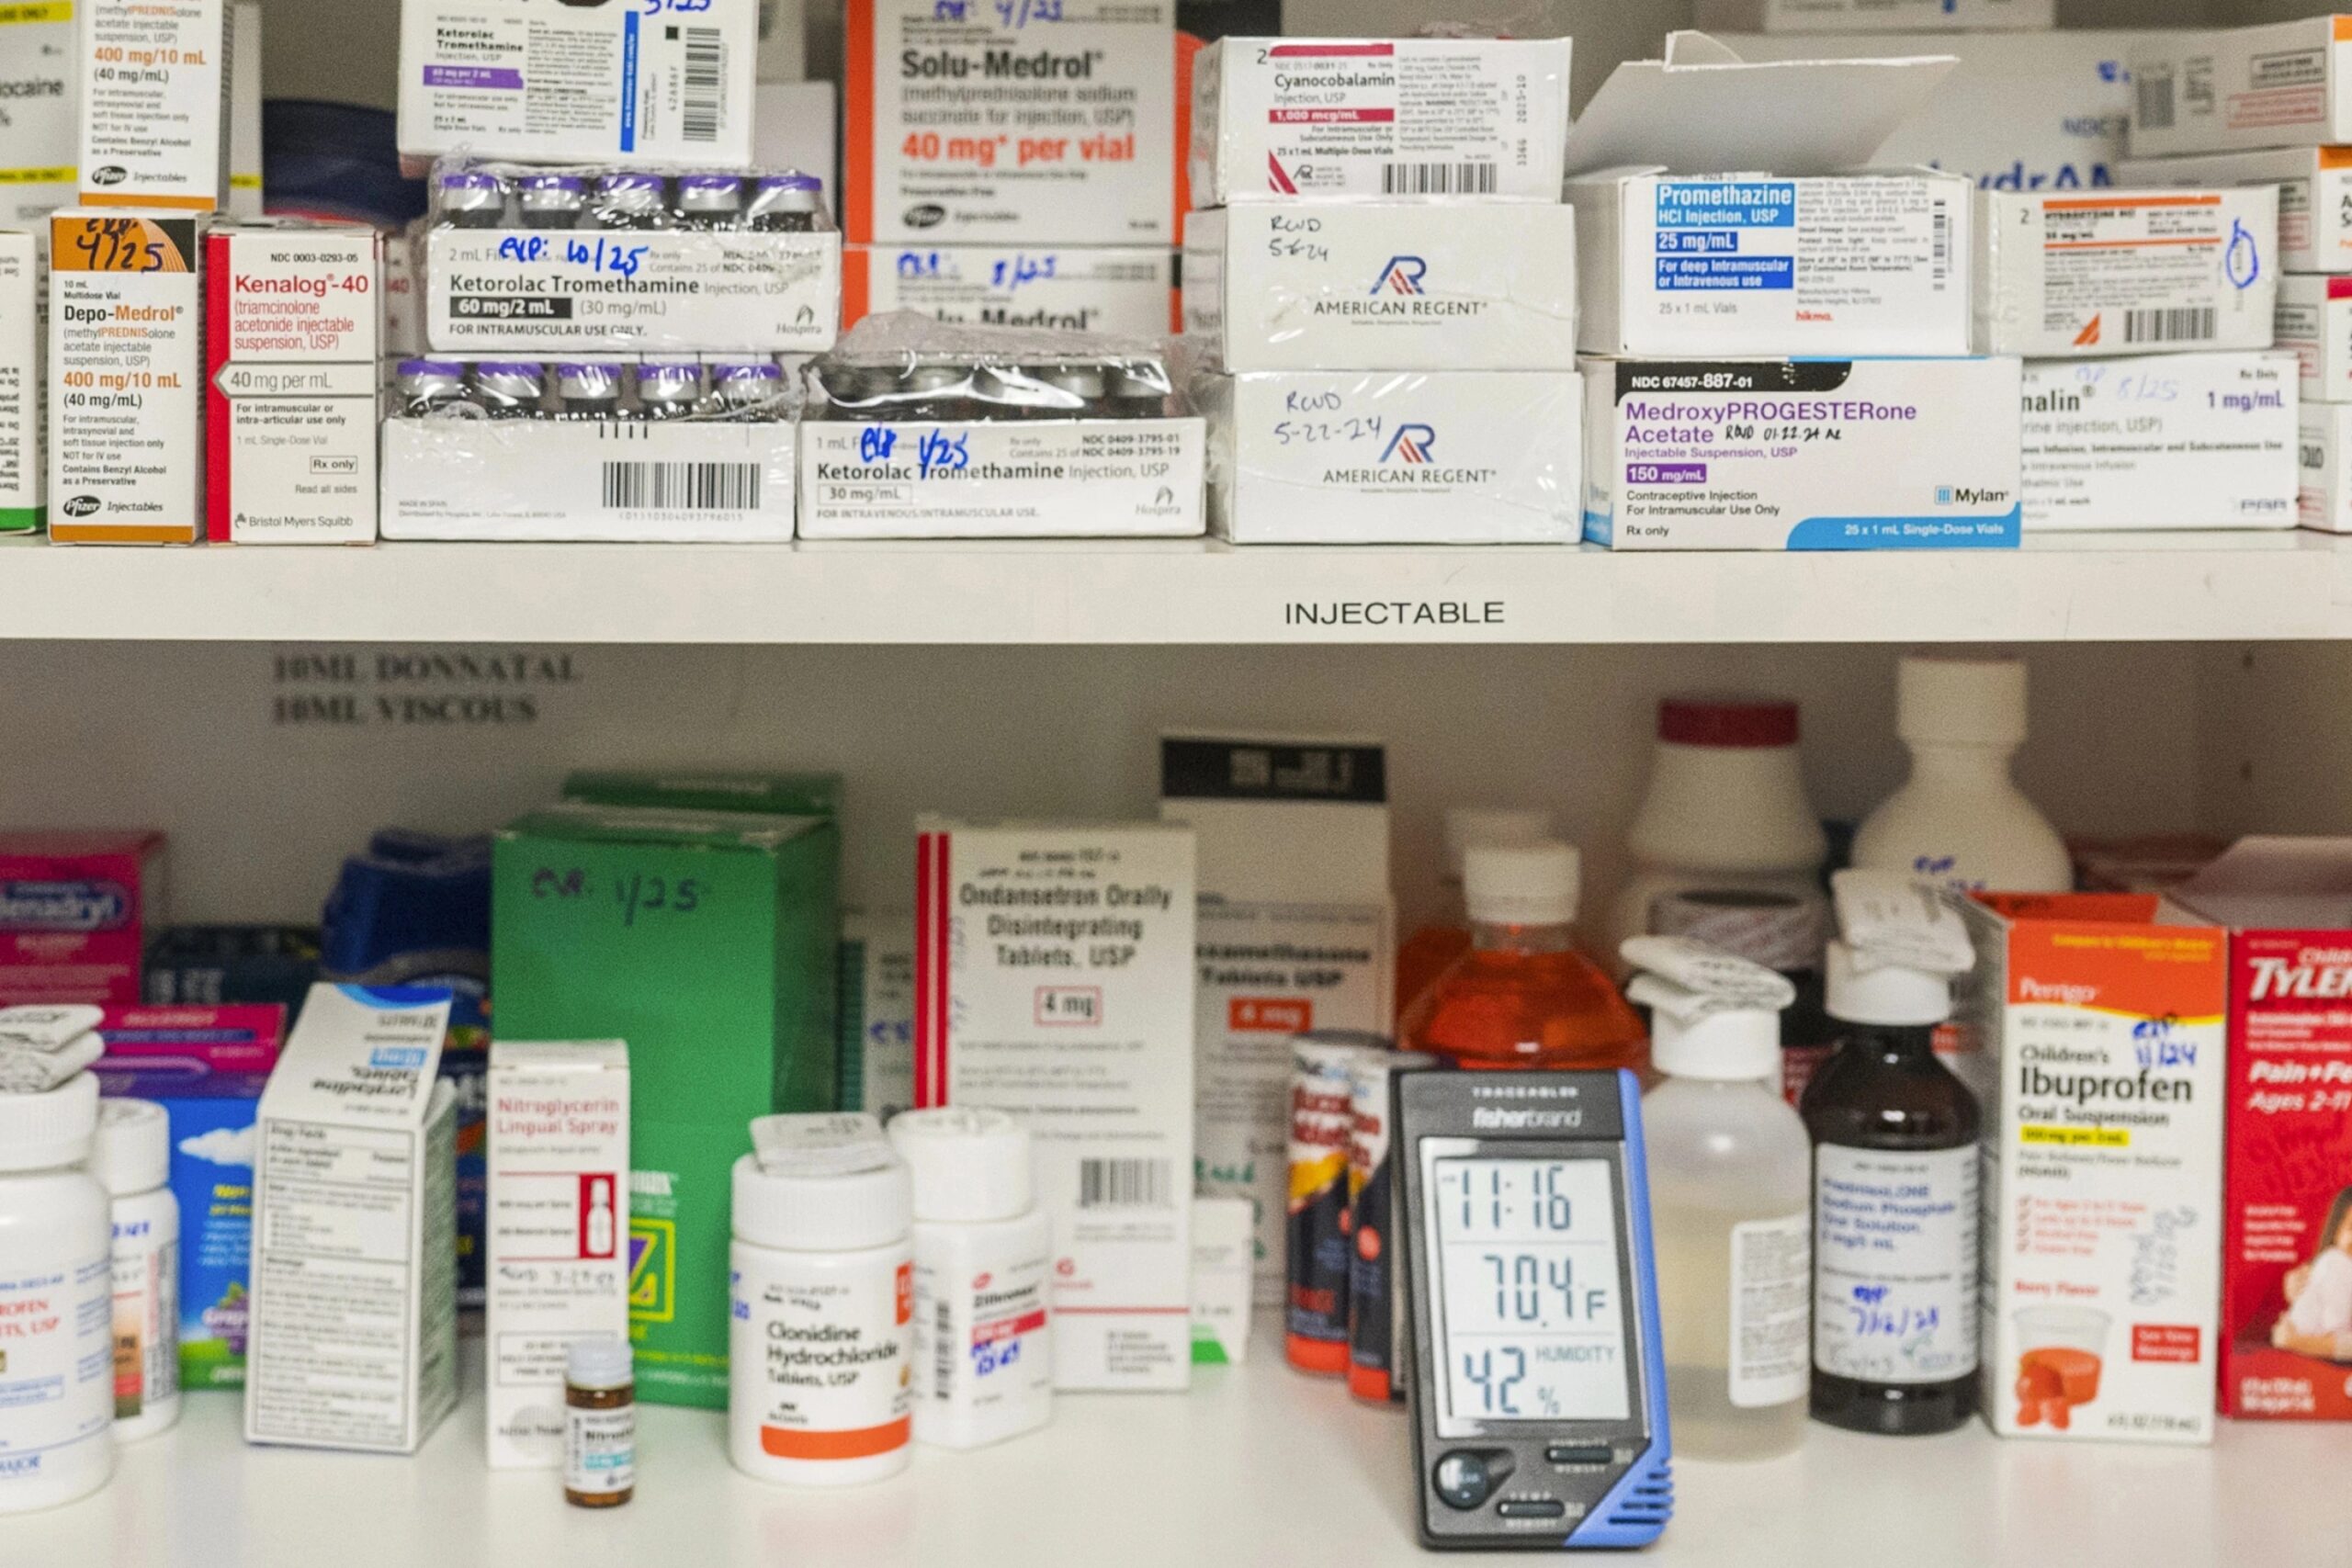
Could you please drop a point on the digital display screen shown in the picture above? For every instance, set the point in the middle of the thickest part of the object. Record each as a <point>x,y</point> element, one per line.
<point>1530,1305</point>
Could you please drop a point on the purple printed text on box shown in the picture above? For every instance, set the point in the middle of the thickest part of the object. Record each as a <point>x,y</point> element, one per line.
<point>473,76</point>
<point>1665,473</point>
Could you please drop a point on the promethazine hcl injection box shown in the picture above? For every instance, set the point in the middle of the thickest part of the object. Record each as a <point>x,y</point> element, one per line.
<point>23,390</point>
<point>1126,291</point>
<point>155,111</point>
<point>1397,286</point>
<point>40,63</point>
<point>2111,271</point>
<point>1801,454</point>
<point>126,365</point>
<point>2235,89</point>
<point>292,371</point>
<point>2160,441</point>
<point>557,1230</point>
<point>1402,456</point>
<point>1876,16</point>
<point>1309,119</point>
<point>1295,933</point>
<point>2323,500</point>
<point>2314,187</point>
<point>2100,1020</point>
<point>546,80</point>
<point>354,1326</point>
<point>1054,982</point>
<point>2315,321</point>
<point>967,122</point>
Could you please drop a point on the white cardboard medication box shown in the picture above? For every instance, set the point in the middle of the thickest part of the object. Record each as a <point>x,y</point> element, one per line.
<point>1010,478</point>
<point>1223,1241</point>
<point>1419,456</point>
<point>2314,187</point>
<point>154,112</point>
<point>1877,15</point>
<point>354,1308</point>
<point>40,61</point>
<point>2315,321</point>
<point>1801,454</point>
<point>1396,285</point>
<point>878,1011</point>
<point>1681,252</point>
<point>2232,89</point>
<point>126,368</point>
<point>1308,119</point>
<point>1126,291</point>
<point>1054,981</point>
<point>244,198</point>
<point>21,390</point>
<point>1295,933</point>
<point>291,378</point>
<point>2108,272</point>
<point>999,121</point>
<point>2161,440</point>
<point>557,1230</point>
<point>2324,456</point>
<point>544,80</point>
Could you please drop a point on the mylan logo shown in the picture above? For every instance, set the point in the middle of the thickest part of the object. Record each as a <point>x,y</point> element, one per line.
<point>1403,274</point>
<point>1968,495</point>
<point>1412,443</point>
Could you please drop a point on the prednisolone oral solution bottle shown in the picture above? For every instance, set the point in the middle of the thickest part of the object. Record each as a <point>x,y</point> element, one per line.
<point>56,1288</point>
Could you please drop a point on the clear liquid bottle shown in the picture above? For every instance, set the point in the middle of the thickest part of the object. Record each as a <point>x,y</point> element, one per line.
<point>1434,947</point>
<point>1783,932</point>
<point>1523,996</point>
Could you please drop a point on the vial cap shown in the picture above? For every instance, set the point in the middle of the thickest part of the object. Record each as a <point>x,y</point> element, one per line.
<point>558,184</point>
<point>599,1361</point>
<point>1469,825</point>
<point>1961,699</point>
<point>132,1152</point>
<point>577,380</point>
<point>1780,930</point>
<point>810,182</point>
<point>966,1165</point>
<point>1726,1046</point>
<point>1890,996</point>
<point>1730,724</point>
<point>55,1127</point>
<point>1521,884</point>
<point>422,368</point>
<point>827,1197</point>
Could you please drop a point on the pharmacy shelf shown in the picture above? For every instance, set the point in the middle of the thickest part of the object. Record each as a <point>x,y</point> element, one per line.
<point>1255,1465</point>
<point>2086,588</point>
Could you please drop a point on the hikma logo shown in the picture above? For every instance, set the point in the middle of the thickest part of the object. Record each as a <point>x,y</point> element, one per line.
<point>1412,443</point>
<point>1403,274</point>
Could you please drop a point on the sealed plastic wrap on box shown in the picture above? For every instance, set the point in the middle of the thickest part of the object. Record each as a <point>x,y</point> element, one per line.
<point>591,447</point>
<point>922,429</point>
<point>600,258</point>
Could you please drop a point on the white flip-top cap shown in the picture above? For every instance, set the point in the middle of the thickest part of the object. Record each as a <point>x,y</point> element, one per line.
<point>1521,884</point>
<point>1469,825</point>
<point>133,1151</point>
<point>1890,996</point>
<point>967,1165</point>
<point>1960,700</point>
<point>1729,1046</point>
<point>825,1196</point>
<point>55,1127</point>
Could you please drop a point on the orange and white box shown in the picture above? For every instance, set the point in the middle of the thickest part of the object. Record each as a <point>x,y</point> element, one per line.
<point>2314,196</point>
<point>156,103</point>
<point>2069,274</point>
<point>2102,1021</point>
<point>125,371</point>
<point>2235,89</point>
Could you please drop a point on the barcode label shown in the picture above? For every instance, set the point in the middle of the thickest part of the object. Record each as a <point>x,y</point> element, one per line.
<point>705,89</point>
<point>1124,1184</point>
<point>1437,179</point>
<point>942,1356</point>
<point>1939,241</point>
<point>2187,325</point>
<point>2155,100</point>
<point>682,487</point>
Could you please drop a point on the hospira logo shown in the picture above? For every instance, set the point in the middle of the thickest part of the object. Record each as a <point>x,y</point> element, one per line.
<point>1412,443</point>
<point>1403,274</point>
<point>64,906</point>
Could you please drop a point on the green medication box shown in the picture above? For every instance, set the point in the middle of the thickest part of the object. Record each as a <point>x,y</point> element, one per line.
<point>705,939</point>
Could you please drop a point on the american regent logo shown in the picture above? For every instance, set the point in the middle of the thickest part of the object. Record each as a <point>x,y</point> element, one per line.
<point>1403,274</point>
<point>1412,443</point>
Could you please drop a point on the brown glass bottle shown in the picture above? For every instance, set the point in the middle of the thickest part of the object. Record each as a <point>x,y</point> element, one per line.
<point>1895,1211</point>
<point>599,1425</point>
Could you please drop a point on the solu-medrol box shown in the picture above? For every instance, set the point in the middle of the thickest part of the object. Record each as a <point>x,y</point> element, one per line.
<point>706,939</point>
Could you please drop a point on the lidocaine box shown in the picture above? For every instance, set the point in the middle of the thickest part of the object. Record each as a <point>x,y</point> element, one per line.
<point>1738,263</point>
<point>125,364</point>
<point>2324,457</point>
<point>557,1229</point>
<point>2315,321</point>
<point>292,372</point>
<point>997,122</point>
<point>1054,982</point>
<point>1399,286</point>
<point>1419,457</point>
<point>1876,16</point>
<point>2235,90</point>
<point>22,388</point>
<point>545,79</point>
<point>2314,187</point>
<point>1801,454</point>
<point>2114,271</point>
<point>154,111</point>
<point>2161,440</point>
<point>1008,479</point>
<point>40,65</point>
<point>1124,290</point>
<point>1309,119</point>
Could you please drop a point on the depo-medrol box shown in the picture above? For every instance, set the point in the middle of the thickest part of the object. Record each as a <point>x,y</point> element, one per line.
<point>2160,441</point>
<point>1126,291</point>
<point>155,96</point>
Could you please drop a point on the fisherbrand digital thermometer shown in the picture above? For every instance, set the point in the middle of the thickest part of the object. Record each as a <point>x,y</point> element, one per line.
<point>1538,1394</point>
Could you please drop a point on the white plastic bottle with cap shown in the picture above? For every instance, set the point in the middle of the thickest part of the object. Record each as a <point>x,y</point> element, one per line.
<point>132,1161</point>
<point>1730,1212</point>
<point>1431,950</point>
<point>56,1284</point>
<point>1959,821</point>
<point>1725,809</point>
<point>984,1251</point>
<point>821,1302</point>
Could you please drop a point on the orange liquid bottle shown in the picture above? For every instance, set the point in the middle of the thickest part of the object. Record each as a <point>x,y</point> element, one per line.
<point>1523,996</point>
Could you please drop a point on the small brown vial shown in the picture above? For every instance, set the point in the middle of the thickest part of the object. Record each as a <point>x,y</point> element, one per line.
<point>599,1424</point>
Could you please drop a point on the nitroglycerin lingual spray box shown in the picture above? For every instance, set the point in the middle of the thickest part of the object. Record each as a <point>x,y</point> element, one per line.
<point>1054,982</point>
<point>154,112</point>
<point>2160,441</point>
<point>23,391</point>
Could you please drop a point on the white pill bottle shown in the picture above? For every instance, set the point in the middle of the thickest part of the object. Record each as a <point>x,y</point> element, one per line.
<point>133,1160</point>
<point>820,1304</point>
<point>56,1300</point>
